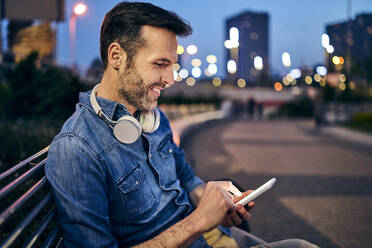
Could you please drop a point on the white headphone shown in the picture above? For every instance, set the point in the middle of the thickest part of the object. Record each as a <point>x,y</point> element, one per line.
<point>128,129</point>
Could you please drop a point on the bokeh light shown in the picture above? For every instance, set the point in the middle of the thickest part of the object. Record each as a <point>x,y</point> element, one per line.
<point>196,72</point>
<point>176,67</point>
<point>308,79</point>
<point>216,82</point>
<point>211,59</point>
<point>180,49</point>
<point>231,66</point>
<point>192,49</point>
<point>258,63</point>
<point>190,81</point>
<point>286,59</point>
<point>321,70</point>
<point>184,73</point>
<point>278,86</point>
<point>196,62</point>
<point>241,83</point>
<point>80,8</point>
<point>212,68</point>
<point>317,78</point>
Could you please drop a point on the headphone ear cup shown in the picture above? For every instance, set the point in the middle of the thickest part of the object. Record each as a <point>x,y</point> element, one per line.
<point>150,120</point>
<point>127,130</point>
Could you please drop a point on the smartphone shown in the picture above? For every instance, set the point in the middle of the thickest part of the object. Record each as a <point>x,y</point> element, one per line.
<point>260,190</point>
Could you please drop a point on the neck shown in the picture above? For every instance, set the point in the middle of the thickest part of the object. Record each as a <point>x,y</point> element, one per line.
<point>109,89</point>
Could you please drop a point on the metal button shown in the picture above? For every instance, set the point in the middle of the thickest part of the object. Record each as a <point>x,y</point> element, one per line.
<point>170,150</point>
<point>136,182</point>
<point>150,155</point>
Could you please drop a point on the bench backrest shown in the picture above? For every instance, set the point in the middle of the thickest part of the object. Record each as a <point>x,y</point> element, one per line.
<point>28,213</point>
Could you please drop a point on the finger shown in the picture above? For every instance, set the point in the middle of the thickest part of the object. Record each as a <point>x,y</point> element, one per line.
<point>236,218</point>
<point>243,213</point>
<point>251,205</point>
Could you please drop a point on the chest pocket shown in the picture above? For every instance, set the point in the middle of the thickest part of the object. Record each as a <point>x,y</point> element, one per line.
<point>137,196</point>
<point>168,174</point>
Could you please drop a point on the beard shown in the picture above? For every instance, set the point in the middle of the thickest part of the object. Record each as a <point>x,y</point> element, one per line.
<point>133,90</point>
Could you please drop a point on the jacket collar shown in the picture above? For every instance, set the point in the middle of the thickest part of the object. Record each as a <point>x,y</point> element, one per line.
<point>112,109</point>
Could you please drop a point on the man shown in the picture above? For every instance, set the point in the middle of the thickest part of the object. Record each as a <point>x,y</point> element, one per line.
<point>118,178</point>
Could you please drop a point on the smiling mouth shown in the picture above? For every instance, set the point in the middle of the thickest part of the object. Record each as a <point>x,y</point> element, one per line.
<point>157,88</point>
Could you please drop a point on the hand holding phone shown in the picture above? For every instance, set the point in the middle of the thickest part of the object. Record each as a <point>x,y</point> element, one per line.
<point>263,188</point>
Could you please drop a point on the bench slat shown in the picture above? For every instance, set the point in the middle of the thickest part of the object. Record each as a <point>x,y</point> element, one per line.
<point>51,237</point>
<point>22,200</point>
<point>40,229</point>
<point>22,164</point>
<point>11,186</point>
<point>18,230</point>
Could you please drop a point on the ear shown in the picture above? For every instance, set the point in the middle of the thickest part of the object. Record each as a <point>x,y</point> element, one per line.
<point>116,56</point>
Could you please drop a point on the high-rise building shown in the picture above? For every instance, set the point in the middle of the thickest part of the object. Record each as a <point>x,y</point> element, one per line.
<point>250,56</point>
<point>352,40</point>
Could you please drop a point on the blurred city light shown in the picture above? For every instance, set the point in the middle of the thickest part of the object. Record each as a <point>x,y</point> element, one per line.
<point>184,73</point>
<point>258,63</point>
<point>207,73</point>
<point>234,34</point>
<point>211,59</point>
<point>342,78</point>
<point>196,72</point>
<point>212,69</point>
<point>190,81</point>
<point>290,77</point>
<point>336,60</point>
<point>228,44</point>
<point>294,82</point>
<point>241,83</point>
<point>175,75</point>
<point>296,73</point>
<point>176,67</point>
<point>216,82</point>
<point>317,78</point>
<point>231,66</point>
<point>322,82</point>
<point>330,49</point>
<point>308,79</point>
<point>321,70</point>
<point>80,9</point>
<point>180,49</point>
<point>178,79</point>
<point>352,85</point>
<point>296,91</point>
<point>278,86</point>
<point>325,40</point>
<point>285,81</point>
<point>192,49</point>
<point>342,86</point>
<point>286,59</point>
<point>235,44</point>
<point>341,60</point>
<point>196,62</point>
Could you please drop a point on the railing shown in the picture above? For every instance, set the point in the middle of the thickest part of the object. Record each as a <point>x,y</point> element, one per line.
<point>28,213</point>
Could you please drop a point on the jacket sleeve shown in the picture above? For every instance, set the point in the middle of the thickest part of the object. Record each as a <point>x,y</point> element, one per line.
<point>80,192</point>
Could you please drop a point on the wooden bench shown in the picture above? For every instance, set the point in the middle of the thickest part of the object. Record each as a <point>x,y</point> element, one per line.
<point>28,212</point>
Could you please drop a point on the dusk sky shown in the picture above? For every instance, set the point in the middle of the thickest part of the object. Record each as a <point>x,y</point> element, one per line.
<point>295,26</point>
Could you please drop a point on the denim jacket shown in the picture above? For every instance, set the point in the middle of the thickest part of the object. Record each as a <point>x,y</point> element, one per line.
<point>110,194</point>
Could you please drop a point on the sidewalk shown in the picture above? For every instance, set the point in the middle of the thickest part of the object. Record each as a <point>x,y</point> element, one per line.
<point>347,134</point>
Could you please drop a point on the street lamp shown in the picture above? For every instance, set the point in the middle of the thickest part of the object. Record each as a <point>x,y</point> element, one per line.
<point>78,10</point>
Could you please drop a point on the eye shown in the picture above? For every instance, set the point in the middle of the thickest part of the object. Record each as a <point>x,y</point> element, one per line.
<point>159,64</point>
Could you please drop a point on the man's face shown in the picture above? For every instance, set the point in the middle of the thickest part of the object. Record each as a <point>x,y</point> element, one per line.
<point>141,85</point>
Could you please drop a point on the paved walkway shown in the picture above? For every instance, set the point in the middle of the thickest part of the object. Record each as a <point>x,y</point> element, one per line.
<point>324,188</point>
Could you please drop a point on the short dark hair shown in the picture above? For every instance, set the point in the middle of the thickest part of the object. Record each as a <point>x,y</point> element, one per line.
<point>123,24</point>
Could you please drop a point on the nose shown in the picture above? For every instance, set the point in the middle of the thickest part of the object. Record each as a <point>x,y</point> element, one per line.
<point>167,76</point>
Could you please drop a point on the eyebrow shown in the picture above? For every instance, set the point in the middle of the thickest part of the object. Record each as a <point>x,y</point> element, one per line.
<point>165,60</point>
